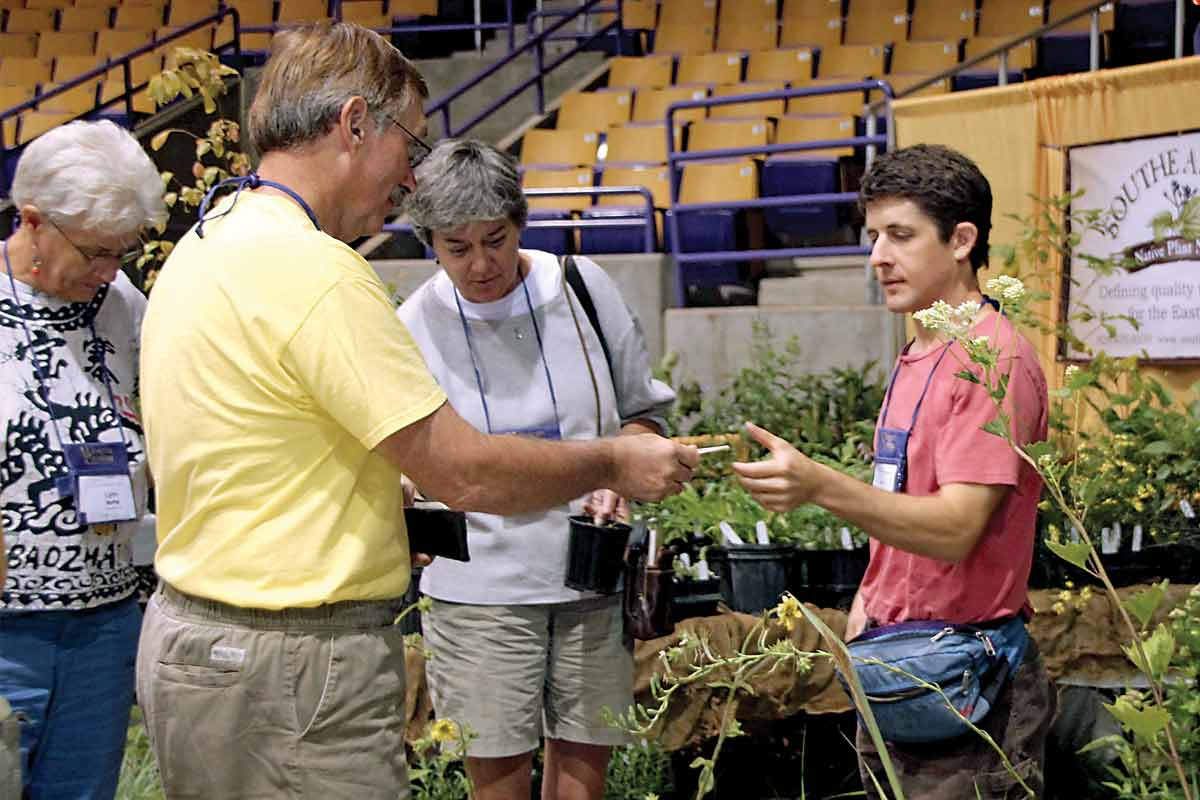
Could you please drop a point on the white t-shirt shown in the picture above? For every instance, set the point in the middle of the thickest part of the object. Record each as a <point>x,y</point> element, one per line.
<point>521,559</point>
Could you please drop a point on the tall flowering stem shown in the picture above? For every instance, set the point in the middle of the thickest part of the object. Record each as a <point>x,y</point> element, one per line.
<point>986,367</point>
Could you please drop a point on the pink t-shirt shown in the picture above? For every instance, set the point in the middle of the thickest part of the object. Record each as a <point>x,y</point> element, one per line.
<point>948,445</point>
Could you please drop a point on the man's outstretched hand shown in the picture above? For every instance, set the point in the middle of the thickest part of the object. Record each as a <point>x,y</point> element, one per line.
<point>784,480</point>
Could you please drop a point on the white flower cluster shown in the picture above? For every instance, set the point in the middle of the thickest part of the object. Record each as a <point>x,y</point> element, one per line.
<point>950,320</point>
<point>1006,287</point>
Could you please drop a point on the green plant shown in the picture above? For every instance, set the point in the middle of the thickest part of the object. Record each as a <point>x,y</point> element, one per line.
<point>139,772</point>
<point>189,73</point>
<point>436,770</point>
<point>640,771</point>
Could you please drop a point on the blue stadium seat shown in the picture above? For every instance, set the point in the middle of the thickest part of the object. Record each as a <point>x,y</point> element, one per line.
<point>788,175</point>
<point>622,239</point>
<point>552,240</point>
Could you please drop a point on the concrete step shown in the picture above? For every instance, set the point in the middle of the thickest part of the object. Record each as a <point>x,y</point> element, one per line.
<point>714,344</point>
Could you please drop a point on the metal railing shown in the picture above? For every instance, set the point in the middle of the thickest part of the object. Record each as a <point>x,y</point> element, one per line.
<point>645,220</point>
<point>870,141</point>
<point>536,45</point>
<point>124,63</point>
<point>1000,52</point>
<point>478,26</point>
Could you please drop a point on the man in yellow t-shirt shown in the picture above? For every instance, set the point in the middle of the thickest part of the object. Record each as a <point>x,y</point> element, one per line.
<point>283,400</point>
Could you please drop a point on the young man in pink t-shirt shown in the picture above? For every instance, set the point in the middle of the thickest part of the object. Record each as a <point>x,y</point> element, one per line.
<point>954,541</point>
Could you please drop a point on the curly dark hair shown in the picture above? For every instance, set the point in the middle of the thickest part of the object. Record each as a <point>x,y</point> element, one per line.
<point>946,185</point>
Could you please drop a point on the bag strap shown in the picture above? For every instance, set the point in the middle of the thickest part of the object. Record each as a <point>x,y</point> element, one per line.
<point>575,281</point>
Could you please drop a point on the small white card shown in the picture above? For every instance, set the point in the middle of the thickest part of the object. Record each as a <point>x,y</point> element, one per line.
<point>106,498</point>
<point>885,476</point>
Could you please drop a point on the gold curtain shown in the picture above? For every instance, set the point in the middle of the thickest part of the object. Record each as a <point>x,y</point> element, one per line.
<point>1018,135</point>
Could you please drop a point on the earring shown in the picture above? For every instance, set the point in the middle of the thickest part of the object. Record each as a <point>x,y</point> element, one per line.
<point>37,264</point>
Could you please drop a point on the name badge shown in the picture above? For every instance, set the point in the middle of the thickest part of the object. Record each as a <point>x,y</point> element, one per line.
<point>98,478</point>
<point>891,460</point>
<point>549,432</point>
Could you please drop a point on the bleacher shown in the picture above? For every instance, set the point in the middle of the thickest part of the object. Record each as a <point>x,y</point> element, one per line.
<point>614,134</point>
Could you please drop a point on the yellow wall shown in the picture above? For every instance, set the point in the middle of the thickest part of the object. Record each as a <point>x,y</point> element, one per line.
<point>1017,134</point>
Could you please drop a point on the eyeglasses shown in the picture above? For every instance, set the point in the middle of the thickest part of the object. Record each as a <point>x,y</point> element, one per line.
<point>418,149</point>
<point>99,254</point>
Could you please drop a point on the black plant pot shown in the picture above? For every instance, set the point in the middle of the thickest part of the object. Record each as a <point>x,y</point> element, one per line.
<point>595,555</point>
<point>695,599</point>
<point>829,578</point>
<point>411,623</point>
<point>1178,562</point>
<point>753,576</point>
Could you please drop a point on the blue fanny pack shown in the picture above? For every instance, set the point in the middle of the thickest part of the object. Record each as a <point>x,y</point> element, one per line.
<point>970,663</point>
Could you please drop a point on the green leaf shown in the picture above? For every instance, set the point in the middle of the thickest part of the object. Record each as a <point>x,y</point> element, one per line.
<point>1073,552</point>
<point>996,428</point>
<point>1112,740</point>
<point>1143,604</point>
<point>202,147</point>
<point>1143,723</point>
<point>1159,448</point>
<point>967,375</point>
<point>159,140</point>
<point>1159,648</point>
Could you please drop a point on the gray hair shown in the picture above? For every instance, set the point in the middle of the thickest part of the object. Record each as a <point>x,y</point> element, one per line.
<point>314,69</point>
<point>90,176</point>
<point>463,181</point>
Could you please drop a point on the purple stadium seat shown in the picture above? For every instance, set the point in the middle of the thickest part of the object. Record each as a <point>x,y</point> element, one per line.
<point>788,175</point>
<point>552,240</point>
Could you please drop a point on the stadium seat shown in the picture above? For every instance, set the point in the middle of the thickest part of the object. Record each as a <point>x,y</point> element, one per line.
<point>709,68</point>
<point>653,178</point>
<point>811,31</point>
<point>11,95</point>
<point>687,14</point>
<point>199,39</point>
<point>573,177</point>
<point>25,71</point>
<point>51,44</point>
<point>591,111</point>
<point>1068,49</point>
<point>368,13</point>
<point>138,18</point>
<point>111,89</point>
<point>713,230</point>
<point>67,67</point>
<point>839,104</point>
<point>635,15</point>
<point>683,38</point>
<point>645,72</point>
<point>84,19</point>
<point>638,144</point>
<point>35,123</point>
<point>752,108</point>
<point>877,21</point>
<point>410,9</point>
<point>1009,18</point>
<point>625,239</point>
<point>910,57</point>
<point>742,33</point>
<point>851,61</point>
<point>29,20</point>
<point>942,20</point>
<point>651,105</point>
<point>794,129</point>
<point>77,100</point>
<point>564,147</point>
<point>53,5</point>
<point>1020,58</point>
<point>793,66</point>
<point>292,12</point>
<point>181,12</point>
<point>253,13</point>
<point>720,134</point>
<point>21,45</point>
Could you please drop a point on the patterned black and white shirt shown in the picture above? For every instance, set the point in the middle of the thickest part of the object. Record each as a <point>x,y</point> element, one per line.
<point>54,562</point>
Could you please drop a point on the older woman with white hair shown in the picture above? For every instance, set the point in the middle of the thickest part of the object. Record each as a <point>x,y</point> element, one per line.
<point>73,479</point>
<point>517,654</point>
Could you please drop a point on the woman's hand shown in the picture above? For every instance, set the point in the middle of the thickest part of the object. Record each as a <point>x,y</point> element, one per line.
<point>604,505</point>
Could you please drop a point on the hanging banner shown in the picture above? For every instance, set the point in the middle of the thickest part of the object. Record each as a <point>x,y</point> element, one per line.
<point>1151,188</point>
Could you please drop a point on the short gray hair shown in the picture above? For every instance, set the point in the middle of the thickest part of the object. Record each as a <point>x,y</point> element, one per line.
<point>90,176</point>
<point>311,73</point>
<point>464,181</point>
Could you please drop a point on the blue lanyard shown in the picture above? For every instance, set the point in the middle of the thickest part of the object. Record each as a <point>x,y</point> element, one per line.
<point>251,181</point>
<point>487,417</point>
<point>887,399</point>
<point>43,380</point>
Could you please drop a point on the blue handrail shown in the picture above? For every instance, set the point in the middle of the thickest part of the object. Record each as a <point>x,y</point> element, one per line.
<point>646,222</point>
<point>124,62</point>
<point>676,156</point>
<point>536,44</point>
<point>509,25</point>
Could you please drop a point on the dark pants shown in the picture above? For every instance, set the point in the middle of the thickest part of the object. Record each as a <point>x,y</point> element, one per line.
<point>967,766</point>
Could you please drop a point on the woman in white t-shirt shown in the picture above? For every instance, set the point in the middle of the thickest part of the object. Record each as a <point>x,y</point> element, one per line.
<point>517,654</point>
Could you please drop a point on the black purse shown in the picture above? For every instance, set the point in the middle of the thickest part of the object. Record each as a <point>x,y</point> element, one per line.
<point>649,590</point>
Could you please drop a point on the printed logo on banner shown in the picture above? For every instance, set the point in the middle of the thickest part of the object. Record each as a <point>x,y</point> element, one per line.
<point>1151,191</point>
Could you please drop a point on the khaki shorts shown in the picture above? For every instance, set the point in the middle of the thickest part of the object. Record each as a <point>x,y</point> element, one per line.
<point>300,703</point>
<point>514,673</point>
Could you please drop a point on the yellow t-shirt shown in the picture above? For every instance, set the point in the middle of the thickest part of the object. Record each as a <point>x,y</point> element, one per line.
<point>272,364</point>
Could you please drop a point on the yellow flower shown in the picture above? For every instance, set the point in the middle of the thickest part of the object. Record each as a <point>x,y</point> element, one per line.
<point>788,612</point>
<point>444,731</point>
<point>1059,608</point>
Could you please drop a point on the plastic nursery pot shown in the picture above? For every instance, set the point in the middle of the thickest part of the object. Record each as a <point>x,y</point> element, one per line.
<point>829,578</point>
<point>437,532</point>
<point>695,599</point>
<point>412,620</point>
<point>595,554</point>
<point>753,576</point>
